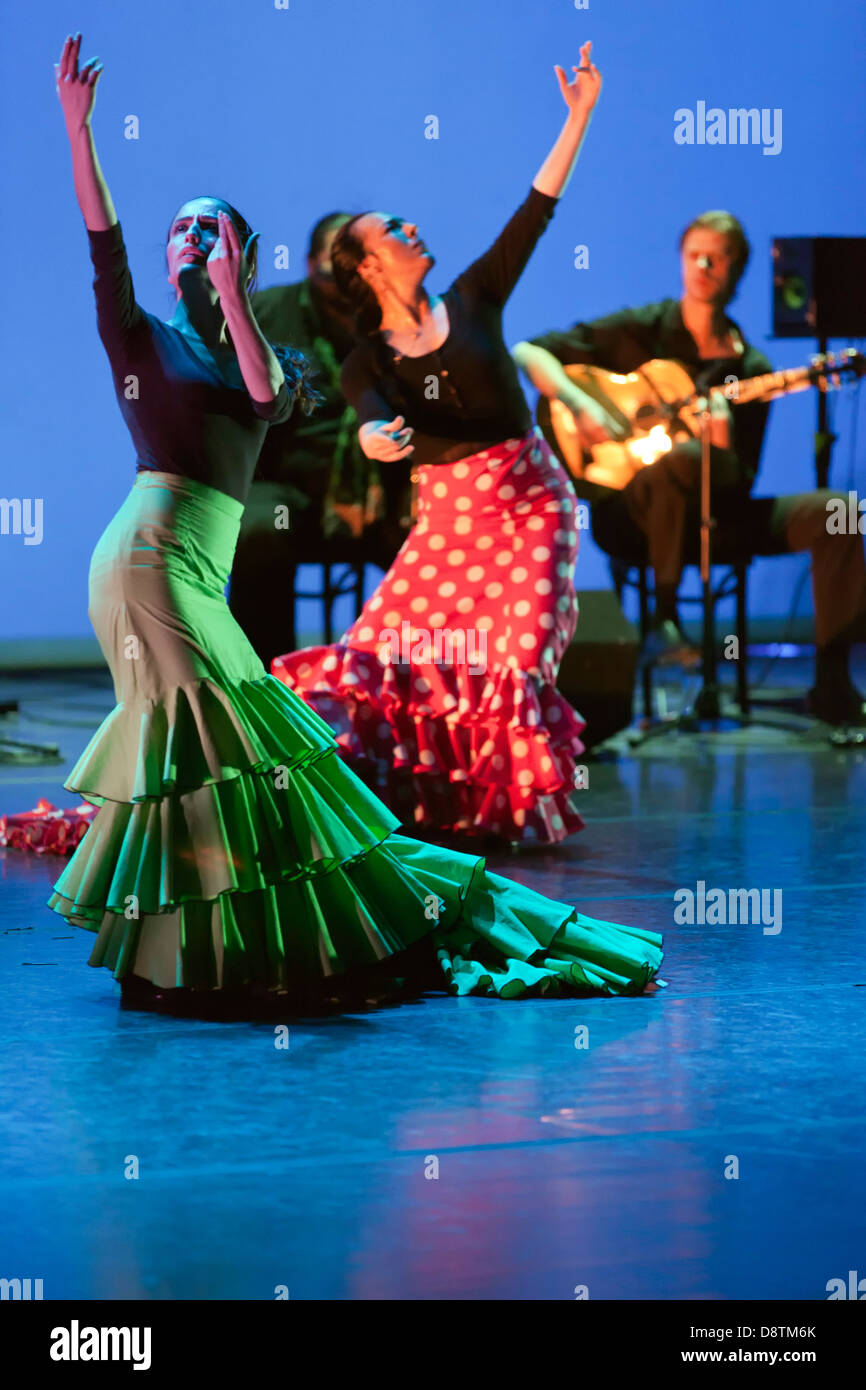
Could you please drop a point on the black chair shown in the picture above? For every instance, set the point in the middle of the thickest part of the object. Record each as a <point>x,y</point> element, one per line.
<point>343,564</point>
<point>343,561</point>
<point>264,589</point>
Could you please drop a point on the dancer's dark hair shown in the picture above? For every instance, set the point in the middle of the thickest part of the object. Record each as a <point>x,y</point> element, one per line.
<point>347,254</point>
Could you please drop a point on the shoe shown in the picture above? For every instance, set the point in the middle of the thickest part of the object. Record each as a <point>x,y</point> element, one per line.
<point>465,840</point>
<point>212,1005</point>
<point>836,706</point>
<point>667,645</point>
<point>138,993</point>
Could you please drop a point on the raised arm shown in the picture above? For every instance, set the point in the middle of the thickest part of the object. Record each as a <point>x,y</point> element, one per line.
<point>263,376</point>
<point>76,89</point>
<point>494,274</point>
<point>580,97</point>
<point>118,316</point>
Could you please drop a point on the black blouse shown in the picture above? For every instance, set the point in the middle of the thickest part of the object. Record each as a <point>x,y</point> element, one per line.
<point>185,404</point>
<point>479,401</point>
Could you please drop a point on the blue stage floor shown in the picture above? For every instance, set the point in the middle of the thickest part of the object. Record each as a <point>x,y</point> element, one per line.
<point>558,1166</point>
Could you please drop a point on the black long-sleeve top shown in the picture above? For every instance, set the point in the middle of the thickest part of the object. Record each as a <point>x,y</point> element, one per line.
<point>622,342</point>
<point>185,404</point>
<point>480,401</point>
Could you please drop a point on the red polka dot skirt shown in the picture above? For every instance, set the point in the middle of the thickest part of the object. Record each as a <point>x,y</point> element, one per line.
<point>442,692</point>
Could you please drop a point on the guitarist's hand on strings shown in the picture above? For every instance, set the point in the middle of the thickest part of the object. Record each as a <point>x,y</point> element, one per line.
<point>595,425</point>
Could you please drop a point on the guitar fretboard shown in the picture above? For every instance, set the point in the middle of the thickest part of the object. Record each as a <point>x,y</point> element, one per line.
<point>770,384</point>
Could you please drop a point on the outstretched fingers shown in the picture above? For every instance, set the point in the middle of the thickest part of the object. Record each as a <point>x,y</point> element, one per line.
<point>62,68</point>
<point>586,84</point>
<point>229,234</point>
<point>581,92</point>
<point>67,68</point>
<point>586,63</point>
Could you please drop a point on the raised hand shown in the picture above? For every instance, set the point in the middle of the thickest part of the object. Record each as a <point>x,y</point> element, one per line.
<point>76,87</point>
<point>227,264</point>
<point>582,93</point>
<point>386,440</point>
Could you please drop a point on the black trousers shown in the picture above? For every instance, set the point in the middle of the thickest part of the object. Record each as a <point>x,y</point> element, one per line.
<point>262,590</point>
<point>659,512</point>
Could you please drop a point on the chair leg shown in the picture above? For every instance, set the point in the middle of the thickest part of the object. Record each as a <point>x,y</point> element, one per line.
<point>358,589</point>
<point>291,614</point>
<point>618,573</point>
<point>646,670</point>
<point>328,597</point>
<point>742,669</point>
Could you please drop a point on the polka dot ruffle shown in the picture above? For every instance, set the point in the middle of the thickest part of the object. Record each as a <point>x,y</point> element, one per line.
<point>448,674</point>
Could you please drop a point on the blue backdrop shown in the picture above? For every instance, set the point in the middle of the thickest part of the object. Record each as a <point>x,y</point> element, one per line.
<point>290,112</point>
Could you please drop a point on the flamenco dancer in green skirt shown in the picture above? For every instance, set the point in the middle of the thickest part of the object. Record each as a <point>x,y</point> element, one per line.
<point>235,860</point>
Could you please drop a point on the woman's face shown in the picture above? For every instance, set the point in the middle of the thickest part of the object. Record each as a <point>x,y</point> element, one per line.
<point>396,257</point>
<point>193,235</point>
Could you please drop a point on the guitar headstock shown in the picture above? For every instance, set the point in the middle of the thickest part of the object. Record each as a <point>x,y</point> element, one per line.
<point>828,368</point>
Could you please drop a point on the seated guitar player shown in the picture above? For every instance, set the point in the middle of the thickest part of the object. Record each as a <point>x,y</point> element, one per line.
<point>662,499</point>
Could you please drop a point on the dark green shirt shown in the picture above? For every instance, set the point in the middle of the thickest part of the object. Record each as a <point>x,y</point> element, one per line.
<point>311,453</point>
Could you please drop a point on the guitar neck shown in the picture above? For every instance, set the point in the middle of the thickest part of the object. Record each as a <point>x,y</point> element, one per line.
<point>765,387</point>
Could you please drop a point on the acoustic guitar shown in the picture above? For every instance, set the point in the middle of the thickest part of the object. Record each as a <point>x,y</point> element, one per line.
<point>657,405</point>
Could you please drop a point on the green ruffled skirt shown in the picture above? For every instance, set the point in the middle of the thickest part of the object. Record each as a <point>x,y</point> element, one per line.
<point>233,848</point>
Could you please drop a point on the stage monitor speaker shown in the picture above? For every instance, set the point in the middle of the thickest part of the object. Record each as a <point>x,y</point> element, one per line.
<point>819,287</point>
<point>598,671</point>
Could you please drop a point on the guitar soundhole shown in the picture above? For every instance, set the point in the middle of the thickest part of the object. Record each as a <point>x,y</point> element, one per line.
<point>646,416</point>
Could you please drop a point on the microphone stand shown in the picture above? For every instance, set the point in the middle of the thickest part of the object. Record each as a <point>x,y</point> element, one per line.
<point>708,700</point>
<point>706,709</point>
<point>15,750</point>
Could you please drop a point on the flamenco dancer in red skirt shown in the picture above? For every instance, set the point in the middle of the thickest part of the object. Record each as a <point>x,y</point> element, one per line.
<point>442,692</point>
